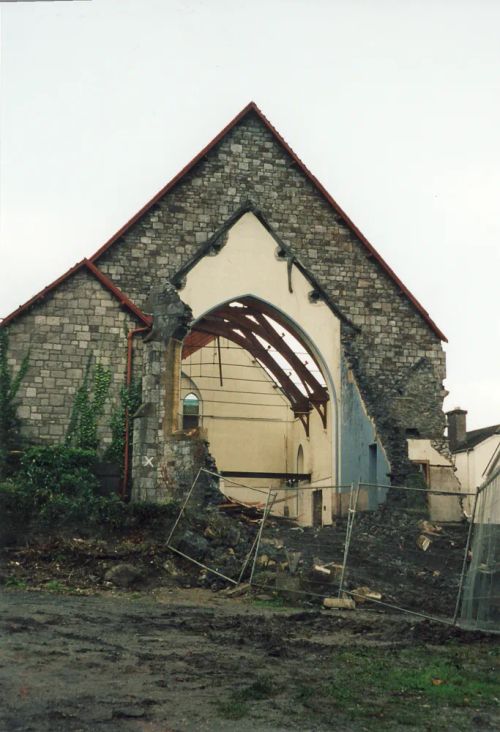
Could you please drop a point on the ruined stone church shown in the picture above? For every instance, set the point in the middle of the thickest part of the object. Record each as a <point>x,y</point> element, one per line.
<point>261,322</point>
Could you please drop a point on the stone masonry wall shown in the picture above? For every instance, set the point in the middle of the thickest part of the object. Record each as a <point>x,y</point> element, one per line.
<point>249,164</point>
<point>78,319</point>
<point>398,361</point>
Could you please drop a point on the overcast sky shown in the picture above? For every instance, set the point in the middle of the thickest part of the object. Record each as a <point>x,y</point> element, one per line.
<point>393,104</point>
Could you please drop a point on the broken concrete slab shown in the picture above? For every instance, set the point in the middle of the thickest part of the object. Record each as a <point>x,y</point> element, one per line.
<point>423,542</point>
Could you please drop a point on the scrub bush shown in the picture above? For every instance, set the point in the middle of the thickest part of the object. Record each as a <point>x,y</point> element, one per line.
<point>10,434</point>
<point>56,492</point>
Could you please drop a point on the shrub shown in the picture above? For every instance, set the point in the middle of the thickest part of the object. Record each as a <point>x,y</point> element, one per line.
<point>10,436</point>
<point>58,487</point>
<point>56,491</point>
<point>58,470</point>
<point>15,512</point>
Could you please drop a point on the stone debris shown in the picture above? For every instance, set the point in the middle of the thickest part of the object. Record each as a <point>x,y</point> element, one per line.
<point>423,542</point>
<point>339,603</point>
<point>193,545</point>
<point>238,591</point>
<point>123,575</point>
<point>170,568</point>
<point>429,528</point>
<point>362,594</point>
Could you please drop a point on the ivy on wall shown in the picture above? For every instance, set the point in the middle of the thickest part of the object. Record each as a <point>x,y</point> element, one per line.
<point>10,436</point>
<point>88,407</point>
<point>129,403</point>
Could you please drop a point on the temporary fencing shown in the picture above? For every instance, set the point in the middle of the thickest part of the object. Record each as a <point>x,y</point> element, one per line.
<point>391,556</point>
<point>185,539</point>
<point>481,597</point>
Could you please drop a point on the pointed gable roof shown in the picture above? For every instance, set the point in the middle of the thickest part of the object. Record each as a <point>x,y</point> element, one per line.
<point>253,108</point>
<point>250,108</point>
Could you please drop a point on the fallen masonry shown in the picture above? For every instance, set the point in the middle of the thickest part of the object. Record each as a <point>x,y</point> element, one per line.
<point>223,547</point>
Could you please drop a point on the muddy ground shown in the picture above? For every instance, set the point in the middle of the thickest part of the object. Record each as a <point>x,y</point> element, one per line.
<point>178,660</point>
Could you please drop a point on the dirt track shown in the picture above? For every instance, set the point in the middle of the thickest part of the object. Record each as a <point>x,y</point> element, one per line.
<point>173,663</point>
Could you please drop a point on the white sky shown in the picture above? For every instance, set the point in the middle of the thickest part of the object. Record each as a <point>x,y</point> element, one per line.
<point>395,106</point>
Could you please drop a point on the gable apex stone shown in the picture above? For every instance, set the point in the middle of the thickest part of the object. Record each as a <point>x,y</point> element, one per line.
<point>236,148</point>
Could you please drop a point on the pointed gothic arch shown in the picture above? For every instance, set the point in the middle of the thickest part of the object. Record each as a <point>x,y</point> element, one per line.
<point>269,336</point>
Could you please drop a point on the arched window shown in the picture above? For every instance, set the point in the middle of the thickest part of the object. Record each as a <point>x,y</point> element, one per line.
<point>190,412</point>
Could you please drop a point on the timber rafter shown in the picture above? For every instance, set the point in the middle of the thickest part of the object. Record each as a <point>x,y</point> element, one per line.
<point>248,326</point>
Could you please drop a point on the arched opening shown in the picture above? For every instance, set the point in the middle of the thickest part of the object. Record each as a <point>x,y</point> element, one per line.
<point>277,348</point>
<point>264,391</point>
<point>190,411</point>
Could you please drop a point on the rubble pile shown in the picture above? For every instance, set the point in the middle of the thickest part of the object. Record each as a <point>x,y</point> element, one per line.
<point>395,556</point>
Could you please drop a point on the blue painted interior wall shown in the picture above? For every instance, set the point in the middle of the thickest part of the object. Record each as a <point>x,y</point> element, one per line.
<point>362,458</point>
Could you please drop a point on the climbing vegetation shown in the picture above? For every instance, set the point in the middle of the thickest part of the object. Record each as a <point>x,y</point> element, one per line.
<point>88,408</point>
<point>10,435</point>
<point>129,402</point>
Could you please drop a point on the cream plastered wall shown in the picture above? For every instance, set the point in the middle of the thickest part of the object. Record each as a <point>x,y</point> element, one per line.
<point>421,451</point>
<point>442,477</point>
<point>250,427</point>
<point>246,417</point>
<point>473,465</point>
<point>248,265</point>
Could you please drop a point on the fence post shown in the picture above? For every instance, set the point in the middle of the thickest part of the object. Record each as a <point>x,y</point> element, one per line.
<point>464,563</point>
<point>350,521</point>
<point>259,534</point>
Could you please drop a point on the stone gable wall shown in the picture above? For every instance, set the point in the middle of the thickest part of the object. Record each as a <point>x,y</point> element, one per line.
<point>81,317</point>
<point>78,319</point>
<point>249,164</point>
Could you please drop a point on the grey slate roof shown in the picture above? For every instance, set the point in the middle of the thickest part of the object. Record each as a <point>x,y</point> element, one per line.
<point>475,437</point>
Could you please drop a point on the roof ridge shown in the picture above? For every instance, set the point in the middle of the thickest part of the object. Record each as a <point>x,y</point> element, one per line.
<point>99,275</point>
<point>251,107</point>
<point>483,429</point>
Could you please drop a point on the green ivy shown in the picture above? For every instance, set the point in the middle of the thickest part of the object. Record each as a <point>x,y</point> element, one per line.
<point>88,407</point>
<point>129,403</point>
<point>10,436</point>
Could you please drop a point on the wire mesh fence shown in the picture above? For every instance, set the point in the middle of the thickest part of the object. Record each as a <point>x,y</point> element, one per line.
<point>481,596</point>
<point>391,555</point>
<point>207,537</point>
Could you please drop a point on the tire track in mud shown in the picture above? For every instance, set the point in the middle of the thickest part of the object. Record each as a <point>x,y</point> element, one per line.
<point>81,664</point>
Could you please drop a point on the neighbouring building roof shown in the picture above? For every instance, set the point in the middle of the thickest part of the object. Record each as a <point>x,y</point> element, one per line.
<point>251,108</point>
<point>475,437</point>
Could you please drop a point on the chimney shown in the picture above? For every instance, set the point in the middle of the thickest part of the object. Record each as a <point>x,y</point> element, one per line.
<point>456,428</point>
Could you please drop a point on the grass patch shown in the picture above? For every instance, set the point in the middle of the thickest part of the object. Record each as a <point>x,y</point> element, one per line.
<point>15,583</point>
<point>238,704</point>
<point>232,709</point>
<point>274,603</point>
<point>417,687</point>
<point>55,586</point>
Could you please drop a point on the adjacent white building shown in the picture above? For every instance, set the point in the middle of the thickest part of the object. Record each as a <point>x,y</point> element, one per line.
<point>476,453</point>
